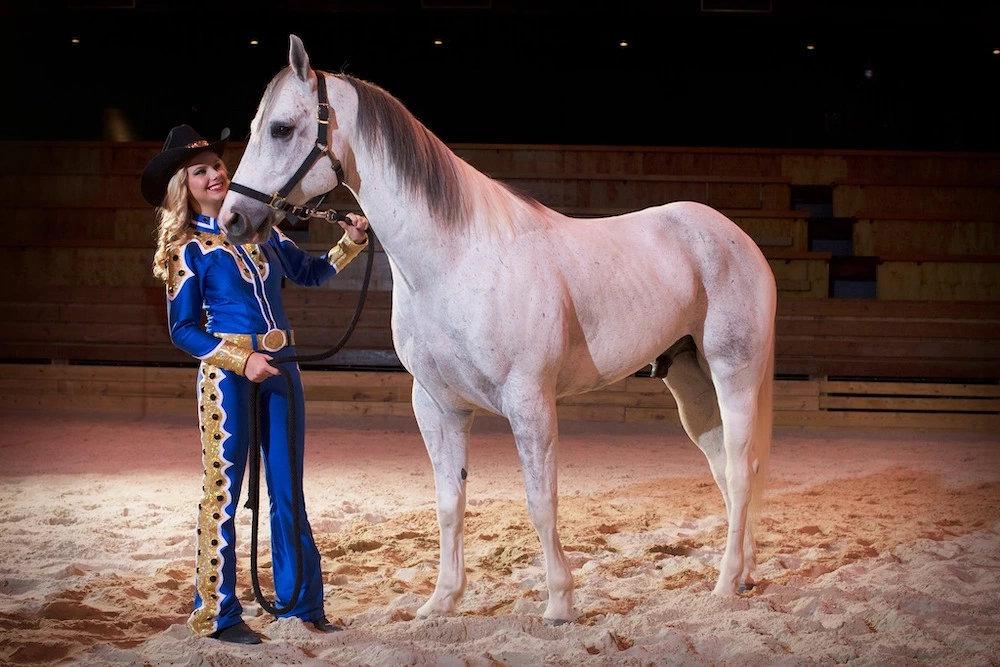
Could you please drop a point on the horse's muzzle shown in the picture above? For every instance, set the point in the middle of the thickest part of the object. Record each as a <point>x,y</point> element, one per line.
<point>240,229</point>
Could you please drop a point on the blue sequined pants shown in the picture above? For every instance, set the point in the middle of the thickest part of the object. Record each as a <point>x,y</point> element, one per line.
<point>223,405</point>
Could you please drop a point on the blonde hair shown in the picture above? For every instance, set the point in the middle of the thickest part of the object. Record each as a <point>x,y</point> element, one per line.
<point>173,217</point>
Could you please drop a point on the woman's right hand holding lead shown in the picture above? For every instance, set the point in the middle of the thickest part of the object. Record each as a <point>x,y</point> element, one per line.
<point>258,367</point>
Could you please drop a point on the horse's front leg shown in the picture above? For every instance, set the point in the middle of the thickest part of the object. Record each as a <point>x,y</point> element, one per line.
<point>446,436</point>
<point>535,429</point>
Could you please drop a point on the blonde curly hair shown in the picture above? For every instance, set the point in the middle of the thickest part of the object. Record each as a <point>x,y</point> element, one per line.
<point>173,218</point>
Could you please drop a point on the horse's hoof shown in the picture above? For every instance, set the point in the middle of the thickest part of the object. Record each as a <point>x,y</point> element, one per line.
<point>555,622</point>
<point>745,588</point>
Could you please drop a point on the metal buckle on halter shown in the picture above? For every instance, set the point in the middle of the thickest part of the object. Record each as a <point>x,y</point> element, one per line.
<point>277,202</point>
<point>274,340</point>
<point>319,113</point>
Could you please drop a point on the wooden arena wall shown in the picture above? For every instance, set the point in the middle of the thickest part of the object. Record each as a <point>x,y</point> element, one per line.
<point>85,322</point>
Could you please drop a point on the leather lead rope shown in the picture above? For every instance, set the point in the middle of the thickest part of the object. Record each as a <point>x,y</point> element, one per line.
<point>254,456</point>
<point>253,499</point>
<point>279,202</point>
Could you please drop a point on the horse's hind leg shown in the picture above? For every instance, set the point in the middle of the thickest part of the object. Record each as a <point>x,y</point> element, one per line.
<point>699,409</point>
<point>446,435</point>
<point>698,405</point>
<point>535,427</point>
<point>738,396</point>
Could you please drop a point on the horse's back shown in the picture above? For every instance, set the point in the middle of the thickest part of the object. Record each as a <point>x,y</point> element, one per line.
<point>700,225</point>
<point>689,246</point>
<point>725,257</point>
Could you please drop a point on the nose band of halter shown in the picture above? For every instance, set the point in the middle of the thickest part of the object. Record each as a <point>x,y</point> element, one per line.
<point>278,200</point>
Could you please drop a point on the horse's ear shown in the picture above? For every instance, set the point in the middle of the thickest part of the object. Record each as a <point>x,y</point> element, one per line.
<point>298,58</point>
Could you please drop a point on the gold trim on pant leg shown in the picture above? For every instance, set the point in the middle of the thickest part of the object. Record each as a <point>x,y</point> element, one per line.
<point>215,497</point>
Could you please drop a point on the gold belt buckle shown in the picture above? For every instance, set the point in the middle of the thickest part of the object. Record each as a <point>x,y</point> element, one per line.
<point>274,340</point>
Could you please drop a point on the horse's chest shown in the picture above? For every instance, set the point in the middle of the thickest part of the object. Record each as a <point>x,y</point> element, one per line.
<point>419,332</point>
<point>438,348</point>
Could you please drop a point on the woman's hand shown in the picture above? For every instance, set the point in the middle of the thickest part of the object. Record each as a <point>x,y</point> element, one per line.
<point>258,369</point>
<point>355,227</point>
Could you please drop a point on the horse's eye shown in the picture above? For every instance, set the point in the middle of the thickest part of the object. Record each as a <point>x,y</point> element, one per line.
<point>279,131</point>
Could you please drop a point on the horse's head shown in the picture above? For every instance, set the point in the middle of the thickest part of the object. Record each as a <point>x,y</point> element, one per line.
<point>279,163</point>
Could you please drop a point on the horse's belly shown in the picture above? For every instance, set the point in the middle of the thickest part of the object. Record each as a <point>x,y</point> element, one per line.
<point>605,362</point>
<point>630,321</point>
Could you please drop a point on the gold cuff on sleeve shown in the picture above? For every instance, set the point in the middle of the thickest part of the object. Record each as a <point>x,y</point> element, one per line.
<point>346,250</point>
<point>230,357</point>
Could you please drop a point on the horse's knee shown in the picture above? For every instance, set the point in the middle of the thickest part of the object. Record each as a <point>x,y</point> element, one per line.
<point>450,518</point>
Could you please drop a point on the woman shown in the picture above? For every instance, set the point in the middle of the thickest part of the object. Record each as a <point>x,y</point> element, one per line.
<point>239,290</point>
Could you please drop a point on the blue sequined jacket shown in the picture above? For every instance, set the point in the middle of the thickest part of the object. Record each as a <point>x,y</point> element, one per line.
<point>238,288</point>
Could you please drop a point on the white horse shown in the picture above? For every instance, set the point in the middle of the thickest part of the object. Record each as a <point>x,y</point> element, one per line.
<point>500,303</point>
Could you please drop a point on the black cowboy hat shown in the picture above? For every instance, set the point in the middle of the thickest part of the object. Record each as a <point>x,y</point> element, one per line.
<point>182,144</point>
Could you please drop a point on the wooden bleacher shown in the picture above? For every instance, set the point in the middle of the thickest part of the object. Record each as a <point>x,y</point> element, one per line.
<point>879,234</point>
<point>947,200</point>
<point>86,327</point>
<point>939,277</point>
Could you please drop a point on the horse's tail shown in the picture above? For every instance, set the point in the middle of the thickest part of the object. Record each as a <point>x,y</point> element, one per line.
<point>762,437</point>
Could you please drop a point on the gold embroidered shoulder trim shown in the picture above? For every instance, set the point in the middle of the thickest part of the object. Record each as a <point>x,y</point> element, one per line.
<point>178,271</point>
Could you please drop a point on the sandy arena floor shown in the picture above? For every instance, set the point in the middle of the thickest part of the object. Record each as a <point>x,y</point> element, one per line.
<point>878,548</point>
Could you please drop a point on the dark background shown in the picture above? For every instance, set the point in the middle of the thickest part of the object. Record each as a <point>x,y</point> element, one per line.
<point>524,72</point>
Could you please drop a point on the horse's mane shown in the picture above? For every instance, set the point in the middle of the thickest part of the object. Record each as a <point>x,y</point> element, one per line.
<point>455,192</point>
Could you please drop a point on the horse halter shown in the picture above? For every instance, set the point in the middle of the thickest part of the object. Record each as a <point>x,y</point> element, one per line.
<point>278,200</point>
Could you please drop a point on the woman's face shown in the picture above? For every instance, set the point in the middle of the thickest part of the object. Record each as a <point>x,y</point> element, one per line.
<point>207,182</point>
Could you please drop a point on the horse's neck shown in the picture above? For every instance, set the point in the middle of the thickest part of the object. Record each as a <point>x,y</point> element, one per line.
<point>419,245</point>
<point>407,230</point>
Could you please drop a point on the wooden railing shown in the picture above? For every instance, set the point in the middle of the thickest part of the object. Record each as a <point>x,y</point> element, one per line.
<point>816,337</point>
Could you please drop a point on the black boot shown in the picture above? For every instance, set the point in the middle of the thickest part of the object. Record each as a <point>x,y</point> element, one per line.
<point>323,625</point>
<point>237,634</point>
